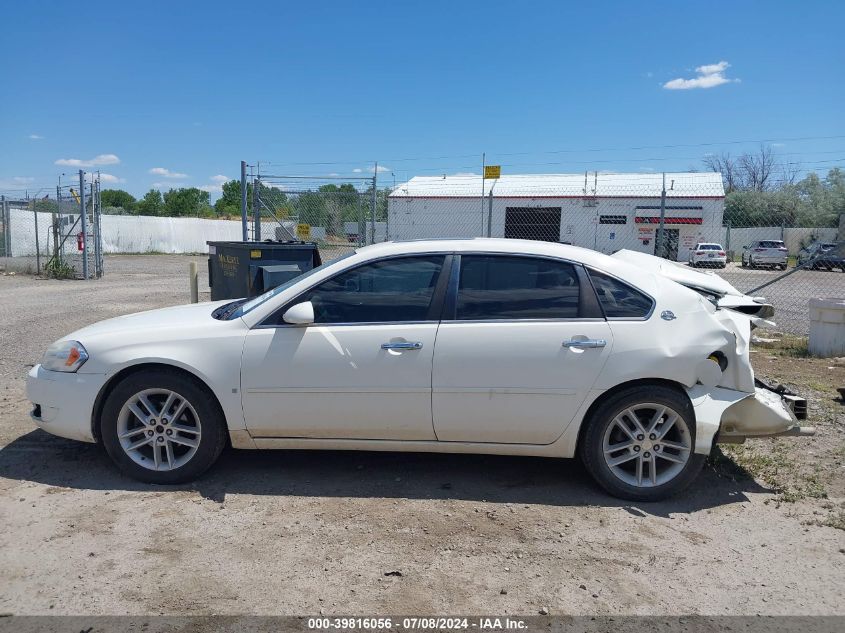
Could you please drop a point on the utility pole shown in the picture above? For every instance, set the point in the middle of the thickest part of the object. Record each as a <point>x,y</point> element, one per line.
<point>374,202</point>
<point>244,231</point>
<point>661,246</point>
<point>483,165</point>
<point>84,220</point>
<point>256,208</point>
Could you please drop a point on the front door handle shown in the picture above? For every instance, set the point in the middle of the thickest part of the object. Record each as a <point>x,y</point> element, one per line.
<point>404,345</point>
<point>589,343</point>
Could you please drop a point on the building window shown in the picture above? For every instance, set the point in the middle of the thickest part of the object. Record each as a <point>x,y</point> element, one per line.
<point>613,219</point>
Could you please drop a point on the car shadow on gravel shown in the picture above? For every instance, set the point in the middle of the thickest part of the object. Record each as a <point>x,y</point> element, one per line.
<point>49,460</point>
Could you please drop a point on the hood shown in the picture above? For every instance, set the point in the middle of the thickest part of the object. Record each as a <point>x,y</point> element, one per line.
<point>725,294</point>
<point>152,319</point>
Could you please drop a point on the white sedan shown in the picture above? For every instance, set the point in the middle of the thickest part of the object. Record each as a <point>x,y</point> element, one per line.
<point>509,347</point>
<point>708,254</point>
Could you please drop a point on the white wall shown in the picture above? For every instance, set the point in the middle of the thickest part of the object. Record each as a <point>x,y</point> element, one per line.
<point>137,233</point>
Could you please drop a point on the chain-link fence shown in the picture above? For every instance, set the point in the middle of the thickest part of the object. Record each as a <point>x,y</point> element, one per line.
<point>338,213</point>
<point>787,254</point>
<point>680,216</point>
<point>56,235</point>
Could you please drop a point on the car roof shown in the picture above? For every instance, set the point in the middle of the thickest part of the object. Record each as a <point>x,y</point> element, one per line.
<point>486,245</point>
<point>645,280</point>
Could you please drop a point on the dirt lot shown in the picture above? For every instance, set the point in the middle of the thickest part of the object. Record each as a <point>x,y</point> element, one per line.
<point>761,531</point>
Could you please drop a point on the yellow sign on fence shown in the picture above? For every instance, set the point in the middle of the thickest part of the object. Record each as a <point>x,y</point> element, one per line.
<point>492,171</point>
<point>303,231</point>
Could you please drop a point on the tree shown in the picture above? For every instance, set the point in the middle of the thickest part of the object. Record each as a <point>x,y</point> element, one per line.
<point>229,203</point>
<point>151,204</point>
<point>117,198</point>
<point>187,202</point>
<point>725,165</point>
<point>751,171</point>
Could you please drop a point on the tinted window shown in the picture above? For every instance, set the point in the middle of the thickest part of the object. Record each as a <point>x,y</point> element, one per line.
<point>771,244</point>
<point>380,292</point>
<point>501,287</point>
<point>619,300</point>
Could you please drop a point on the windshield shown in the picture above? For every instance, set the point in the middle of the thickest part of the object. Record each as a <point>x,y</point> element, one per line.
<point>247,306</point>
<point>709,247</point>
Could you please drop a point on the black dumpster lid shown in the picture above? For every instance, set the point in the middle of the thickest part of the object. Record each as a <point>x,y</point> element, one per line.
<point>263,243</point>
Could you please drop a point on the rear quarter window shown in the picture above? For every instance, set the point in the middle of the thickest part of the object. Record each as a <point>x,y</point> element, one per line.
<point>618,299</point>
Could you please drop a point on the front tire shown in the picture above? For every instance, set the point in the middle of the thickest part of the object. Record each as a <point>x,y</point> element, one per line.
<point>162,427</point>
<point>638,444</point>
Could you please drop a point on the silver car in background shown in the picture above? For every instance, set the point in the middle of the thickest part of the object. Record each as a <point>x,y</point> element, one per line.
<point>771,253</point>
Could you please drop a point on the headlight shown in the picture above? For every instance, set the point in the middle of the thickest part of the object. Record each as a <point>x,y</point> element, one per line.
<point>64,356</point>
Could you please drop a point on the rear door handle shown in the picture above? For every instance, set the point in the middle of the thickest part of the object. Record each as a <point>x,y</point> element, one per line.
<point>589,343</point>
<point>405,345</point>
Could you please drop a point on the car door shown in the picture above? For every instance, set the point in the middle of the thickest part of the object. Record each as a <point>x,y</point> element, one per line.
<point>522,341</point>
<point>362,369</point>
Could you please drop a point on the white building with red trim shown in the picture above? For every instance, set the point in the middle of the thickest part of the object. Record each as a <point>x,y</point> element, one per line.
<point>603,211</point>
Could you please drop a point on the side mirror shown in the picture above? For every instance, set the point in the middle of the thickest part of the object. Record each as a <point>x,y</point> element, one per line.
<point>300,314</point>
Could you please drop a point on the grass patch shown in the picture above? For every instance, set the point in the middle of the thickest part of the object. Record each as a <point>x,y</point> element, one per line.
<point>775,467</point>
<point>787,345</point>
<point>835,520</point>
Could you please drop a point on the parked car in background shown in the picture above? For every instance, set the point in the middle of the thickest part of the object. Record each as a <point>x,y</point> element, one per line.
<point>823,256</point>
<point>511,347</point>
<point>708,254</point>
<point>770,253</point>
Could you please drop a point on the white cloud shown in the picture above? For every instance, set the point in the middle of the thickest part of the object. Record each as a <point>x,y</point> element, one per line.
<point>22,180</point>
<point>357,171</point>
<point>110,178</point>
<point>380,169</point>
<point>709,76</point>
<point>211,188</point>
<point>712,69</point>
<point>166,173</point>
<point>100,159</point>
<point>220,179</point>
<point>36,137</point>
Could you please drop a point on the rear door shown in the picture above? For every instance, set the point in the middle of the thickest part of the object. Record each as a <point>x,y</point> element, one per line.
<point>521,343</point>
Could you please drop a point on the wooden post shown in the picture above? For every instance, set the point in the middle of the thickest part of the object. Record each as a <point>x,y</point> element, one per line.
<point>192,274</point>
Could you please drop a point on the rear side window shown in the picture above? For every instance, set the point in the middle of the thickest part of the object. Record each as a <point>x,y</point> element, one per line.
<point>618,299</point>
<point>503,287</point>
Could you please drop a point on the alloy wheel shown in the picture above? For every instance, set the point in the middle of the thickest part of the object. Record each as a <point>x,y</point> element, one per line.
<point>647,445</point>
<point>159,429</point>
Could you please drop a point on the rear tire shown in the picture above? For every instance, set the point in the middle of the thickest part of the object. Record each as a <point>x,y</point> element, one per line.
<point>180,420</point>
<point>636,458</point>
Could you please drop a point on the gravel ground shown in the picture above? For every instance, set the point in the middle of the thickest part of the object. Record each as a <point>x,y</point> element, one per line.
<point>292,533</point>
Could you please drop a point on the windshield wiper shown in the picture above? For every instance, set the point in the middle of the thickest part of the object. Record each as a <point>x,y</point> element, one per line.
<point>225,312</point>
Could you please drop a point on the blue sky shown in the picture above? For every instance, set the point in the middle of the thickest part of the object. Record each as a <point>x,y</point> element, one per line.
<point>160,94</point>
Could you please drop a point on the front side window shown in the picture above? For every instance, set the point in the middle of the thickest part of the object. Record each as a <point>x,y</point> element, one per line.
<point>379,292</point>
<point>618,299</point>
<point>503,287</point>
